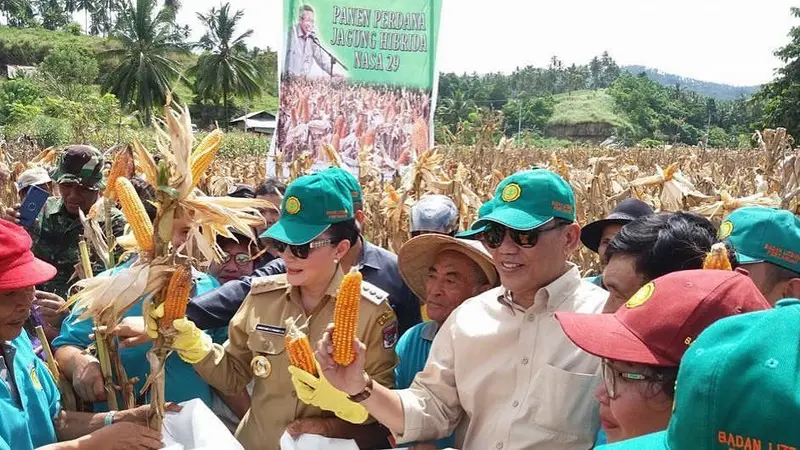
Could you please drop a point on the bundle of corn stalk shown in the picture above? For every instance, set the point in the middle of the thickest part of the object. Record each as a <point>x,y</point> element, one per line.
<point>160,276</point>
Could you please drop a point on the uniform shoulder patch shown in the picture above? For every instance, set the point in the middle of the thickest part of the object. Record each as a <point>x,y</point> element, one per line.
<point>373,293</point>
<point>270,283</point>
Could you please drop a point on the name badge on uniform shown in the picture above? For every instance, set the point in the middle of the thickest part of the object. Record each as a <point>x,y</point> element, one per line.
<point>271,329</point>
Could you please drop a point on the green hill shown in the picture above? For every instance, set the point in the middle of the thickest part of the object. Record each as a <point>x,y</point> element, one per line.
<point>580,107</point>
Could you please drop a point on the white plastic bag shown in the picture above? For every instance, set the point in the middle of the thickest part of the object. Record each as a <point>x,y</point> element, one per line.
<point>316,442</point>
<point>197,428</point>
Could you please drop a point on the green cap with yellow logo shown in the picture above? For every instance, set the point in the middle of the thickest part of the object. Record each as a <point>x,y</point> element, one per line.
<point>311,204</point>
<point>738,387</point>
<point>347,181</point>
<point>527,200</point>
<point>760,234</point>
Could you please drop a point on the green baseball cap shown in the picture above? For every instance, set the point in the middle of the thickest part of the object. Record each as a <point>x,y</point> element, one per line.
<point>82,164</point>
<point>348,182</point>
<point>311,204</point>
<point>760,234</point>
<point>738,387</point>
<point>528,199</point>
<point>485,209</point>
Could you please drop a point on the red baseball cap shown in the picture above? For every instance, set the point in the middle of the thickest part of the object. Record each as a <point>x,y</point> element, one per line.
<point>660,321</point>
<point>18,267</point>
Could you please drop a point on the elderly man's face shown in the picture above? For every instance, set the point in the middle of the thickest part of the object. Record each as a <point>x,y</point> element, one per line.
<point>15,308</point>
<point>307,22</point>
<point>452,279</point>
<point>77,197</point>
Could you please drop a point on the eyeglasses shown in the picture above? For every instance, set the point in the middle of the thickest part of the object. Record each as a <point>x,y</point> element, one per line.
<point>494,234</point>
<point>240,258</point>
<point>610,378</point>
<point>300,251</point>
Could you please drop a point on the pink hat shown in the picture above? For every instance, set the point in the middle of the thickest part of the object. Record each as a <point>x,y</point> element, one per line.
<point>18,267</point>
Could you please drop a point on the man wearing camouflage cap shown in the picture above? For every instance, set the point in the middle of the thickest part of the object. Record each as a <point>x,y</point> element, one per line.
<point>58,228</point>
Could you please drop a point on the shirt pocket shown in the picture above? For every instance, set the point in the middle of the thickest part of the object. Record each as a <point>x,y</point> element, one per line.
<point>566,401</point>
<point>267,344</point>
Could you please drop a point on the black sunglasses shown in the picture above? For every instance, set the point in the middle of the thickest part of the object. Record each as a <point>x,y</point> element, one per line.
<point>300,251</point>
<point>494,234</point>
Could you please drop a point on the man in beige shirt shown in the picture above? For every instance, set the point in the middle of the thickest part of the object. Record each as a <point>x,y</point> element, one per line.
<point>501,369</point>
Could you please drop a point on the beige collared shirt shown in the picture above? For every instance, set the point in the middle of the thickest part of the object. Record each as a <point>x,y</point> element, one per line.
<point>511,374</point>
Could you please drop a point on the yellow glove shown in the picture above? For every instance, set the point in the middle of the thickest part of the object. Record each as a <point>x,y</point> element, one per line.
<point>151,315</point>
<point>320,393</point>
<point>191,343</point>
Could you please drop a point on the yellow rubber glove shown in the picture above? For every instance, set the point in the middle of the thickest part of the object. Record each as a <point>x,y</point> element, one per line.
<point>191,343</point>
<point>151,315</point>
<point>320,393</point>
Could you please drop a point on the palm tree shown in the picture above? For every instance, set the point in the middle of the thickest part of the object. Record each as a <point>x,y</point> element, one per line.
<point>11,8</point>
<point>87,6</point>
<point>226,69</point>
<point>147,70</point>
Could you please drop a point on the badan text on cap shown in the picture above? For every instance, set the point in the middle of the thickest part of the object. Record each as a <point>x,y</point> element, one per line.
<point>528,199</point>
<point>311,204</point>
<point>663,318</point>
<point>760,234</point>
<point>738,387</point>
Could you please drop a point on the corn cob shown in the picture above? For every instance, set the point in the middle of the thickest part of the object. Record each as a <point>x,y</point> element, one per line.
<point>123,166</point>
<point>345,318</point>
<point>299,349</point>
<point>669,172</point>
<point>717,258</point>
<point>176,297</point>
<point>135,214</point>
<point>204,155</point>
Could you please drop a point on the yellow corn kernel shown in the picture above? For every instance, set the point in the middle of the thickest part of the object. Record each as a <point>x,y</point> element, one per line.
<point>669,172</point>
<point>393,195</point>
<point>717,258</point>
<point>299,348</point>
<point>176,297</point>
<point>204,155</point>
<point>135,214</point>
<point>123,166</point>
<point>345,318</point>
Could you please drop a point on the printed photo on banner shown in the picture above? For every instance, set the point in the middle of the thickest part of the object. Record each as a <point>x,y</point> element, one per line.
<point>357,79</point>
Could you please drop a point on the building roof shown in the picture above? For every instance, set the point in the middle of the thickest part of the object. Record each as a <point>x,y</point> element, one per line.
<point>258,115</point>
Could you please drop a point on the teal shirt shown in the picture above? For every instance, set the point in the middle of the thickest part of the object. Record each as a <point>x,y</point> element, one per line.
<point>30,425</point>
<point>412,350</point>
<point>182,383</point>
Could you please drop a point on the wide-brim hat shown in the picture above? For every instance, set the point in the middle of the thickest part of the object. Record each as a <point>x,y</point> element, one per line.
<point>626,211</point>
<point>418,254</point>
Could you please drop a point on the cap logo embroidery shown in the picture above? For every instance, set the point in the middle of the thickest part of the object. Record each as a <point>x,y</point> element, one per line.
<point>782,254</point>
<point>292,205</point>
<point>561,207</point>
<point>725,229</point>
<point>338,214</point>
<point>641,296</point>
<point>511,192</point>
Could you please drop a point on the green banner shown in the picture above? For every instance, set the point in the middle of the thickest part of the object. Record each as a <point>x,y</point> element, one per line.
<point>357,74</point>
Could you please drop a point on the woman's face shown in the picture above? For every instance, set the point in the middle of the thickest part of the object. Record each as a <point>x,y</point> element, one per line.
<point>639,407</point>
<point>319,267</point>
<point>270,215</point>
<point>236,266</point>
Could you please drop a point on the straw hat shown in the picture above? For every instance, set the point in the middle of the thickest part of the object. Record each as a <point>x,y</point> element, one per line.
<point>418,254</point>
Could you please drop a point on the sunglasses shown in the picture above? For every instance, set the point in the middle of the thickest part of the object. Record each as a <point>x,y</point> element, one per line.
<point>240,258</point>
<point>300,251</point>
<point>494,234</point>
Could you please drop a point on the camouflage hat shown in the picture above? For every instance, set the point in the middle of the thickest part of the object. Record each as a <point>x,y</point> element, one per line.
<point>82,164</point>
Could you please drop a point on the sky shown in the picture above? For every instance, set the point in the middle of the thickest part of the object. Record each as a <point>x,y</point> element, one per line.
<point>710,40</point>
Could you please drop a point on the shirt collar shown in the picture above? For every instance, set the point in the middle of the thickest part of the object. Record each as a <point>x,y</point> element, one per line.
<point>429,330</point>
<point>552,295</point>
<point>370,255</point>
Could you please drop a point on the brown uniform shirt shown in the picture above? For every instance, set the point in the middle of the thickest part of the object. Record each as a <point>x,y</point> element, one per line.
<point>258,328</point>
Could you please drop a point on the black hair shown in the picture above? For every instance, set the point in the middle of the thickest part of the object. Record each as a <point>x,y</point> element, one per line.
<point>271,186</point>
<point>240,239</point>
<point>306,8</point>
<point>666,381</point>
<point>665,243</point>
<point>344,231</point>
<point>147,194</point>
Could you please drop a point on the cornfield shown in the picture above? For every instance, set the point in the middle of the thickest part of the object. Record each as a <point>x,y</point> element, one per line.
<point>710,182</point>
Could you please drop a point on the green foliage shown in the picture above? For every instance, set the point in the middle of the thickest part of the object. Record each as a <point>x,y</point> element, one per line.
<point>69,72</point>
<point>21,92</point>
<point>29,46</point>
<point>585,106</point>
<point>527,113</point>
<point>781,97</point>
<point>52,14</point>
<point>146,70</point>
<point>48,131</point>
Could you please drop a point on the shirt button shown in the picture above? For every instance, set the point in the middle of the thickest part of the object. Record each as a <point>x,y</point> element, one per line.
<point>515,403</point>
<point>524,361</point>
<point>499,445</point>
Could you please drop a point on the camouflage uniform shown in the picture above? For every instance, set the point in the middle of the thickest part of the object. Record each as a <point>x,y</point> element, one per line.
<point>56,232</point>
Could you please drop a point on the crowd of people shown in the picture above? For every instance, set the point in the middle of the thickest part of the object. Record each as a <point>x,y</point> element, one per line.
<point>349,117</point>
<point>481,338</point>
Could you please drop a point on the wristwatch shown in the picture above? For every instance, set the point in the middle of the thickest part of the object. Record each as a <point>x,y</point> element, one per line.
<point>365,394</point>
